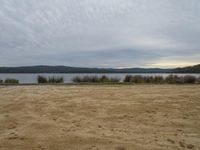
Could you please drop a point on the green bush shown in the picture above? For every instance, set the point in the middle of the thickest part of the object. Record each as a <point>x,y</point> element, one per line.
<point>198,80</point>
<point>173,79</point>
<point>138,79</point>
<point>86,79</point>
<point>95,79</point>
<point>42,79</point>
<point>143,79</point>
<point>158,79</point>
<point>11,81</point>
<point>190,79</point>
<point>128,78</point>
<point>181,79</point>
<point>89,79</point>
<point>77,79</point>
<point>55,79</point>
<point>104,79</point>
<point>1,81</point>
<point>148,79</point>
<point>114,80</point>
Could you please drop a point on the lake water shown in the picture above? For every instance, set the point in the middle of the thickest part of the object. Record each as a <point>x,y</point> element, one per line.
<point>32,78</point>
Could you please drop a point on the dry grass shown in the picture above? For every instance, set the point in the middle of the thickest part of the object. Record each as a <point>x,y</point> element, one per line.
<point>91,117</point>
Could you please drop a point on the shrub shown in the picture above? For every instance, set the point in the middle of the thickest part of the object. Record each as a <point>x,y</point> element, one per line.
<point>114,80</point>
<point>89,79</point>
<point>137,79</point>
<point>158,79</point>
<point>11,81</point>
<point>104,79</point>
<point>42,79</point>
<point>180,80</point>
<point>95,79</point>
<point>198,80</point>
<point>128,78</point>
<point>77,79</point>
<point>148,79</point>
<point>55,79</point>
<point>172,79</point>
<point>144,79</point>
<point>1,81</point>
<point>190,79</point>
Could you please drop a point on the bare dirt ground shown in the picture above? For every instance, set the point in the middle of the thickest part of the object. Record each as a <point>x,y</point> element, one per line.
<point>104,117</point>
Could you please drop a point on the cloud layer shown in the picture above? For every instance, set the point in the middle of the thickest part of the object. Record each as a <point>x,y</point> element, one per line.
<point>93,33</point>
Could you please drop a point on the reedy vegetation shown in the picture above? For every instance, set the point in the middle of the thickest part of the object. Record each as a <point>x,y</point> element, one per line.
<point>53,79</point>
<point>138,79</point>
<point>11,81</point>
<point>135,79</point>
<point>170,79</point>
<point>93,79</point>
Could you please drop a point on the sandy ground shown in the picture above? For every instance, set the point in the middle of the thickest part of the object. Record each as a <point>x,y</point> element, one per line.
<point>89,117</point>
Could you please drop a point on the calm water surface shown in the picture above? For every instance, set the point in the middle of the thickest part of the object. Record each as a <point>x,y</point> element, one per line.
<point>32,78</point>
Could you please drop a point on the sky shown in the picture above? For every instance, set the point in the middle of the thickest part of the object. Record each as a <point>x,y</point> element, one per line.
<point>100,33</point>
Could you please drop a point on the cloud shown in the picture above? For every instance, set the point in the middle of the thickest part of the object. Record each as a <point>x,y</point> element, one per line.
<point>114,33</point>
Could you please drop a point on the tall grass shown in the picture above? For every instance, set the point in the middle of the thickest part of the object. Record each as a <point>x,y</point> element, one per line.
<point>198,80</point>
<point>138,79</point>
<point>42,79</point>
<point>171,79</point>
<point>181,79</point>
<point>144,79</point>
<point>53,79</point>
<point>11,81</point>
<point>190,79</point>
<point>95,79</point>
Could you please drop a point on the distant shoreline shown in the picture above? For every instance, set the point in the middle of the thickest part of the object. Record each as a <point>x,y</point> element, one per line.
<point>81,70</point>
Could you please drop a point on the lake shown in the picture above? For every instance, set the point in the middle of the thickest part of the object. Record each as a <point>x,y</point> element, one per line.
<point>32,78</point>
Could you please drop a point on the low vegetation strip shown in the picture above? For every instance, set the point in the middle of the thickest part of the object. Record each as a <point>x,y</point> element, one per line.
<point>102,79</point>
<point>53,79</point>
<point>9,81</point>
<point>132,79</point>
<point>139,79</point>
<point>171,79</point>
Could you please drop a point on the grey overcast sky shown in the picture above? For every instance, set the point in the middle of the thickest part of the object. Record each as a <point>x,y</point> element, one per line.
<point>100,33</point>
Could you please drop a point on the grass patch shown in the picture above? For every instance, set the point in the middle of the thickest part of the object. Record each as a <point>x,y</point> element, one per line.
<point>144,79</point>
<point>190,79</point>
<point>170,79</point>
<point>53,79</point>
<point>11,81</point>
<point>42,79</point>
<point>95,79</point>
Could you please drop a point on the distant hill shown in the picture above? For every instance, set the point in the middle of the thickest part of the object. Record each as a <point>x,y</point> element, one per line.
<point>66,69</point>
<point>191,69</point>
